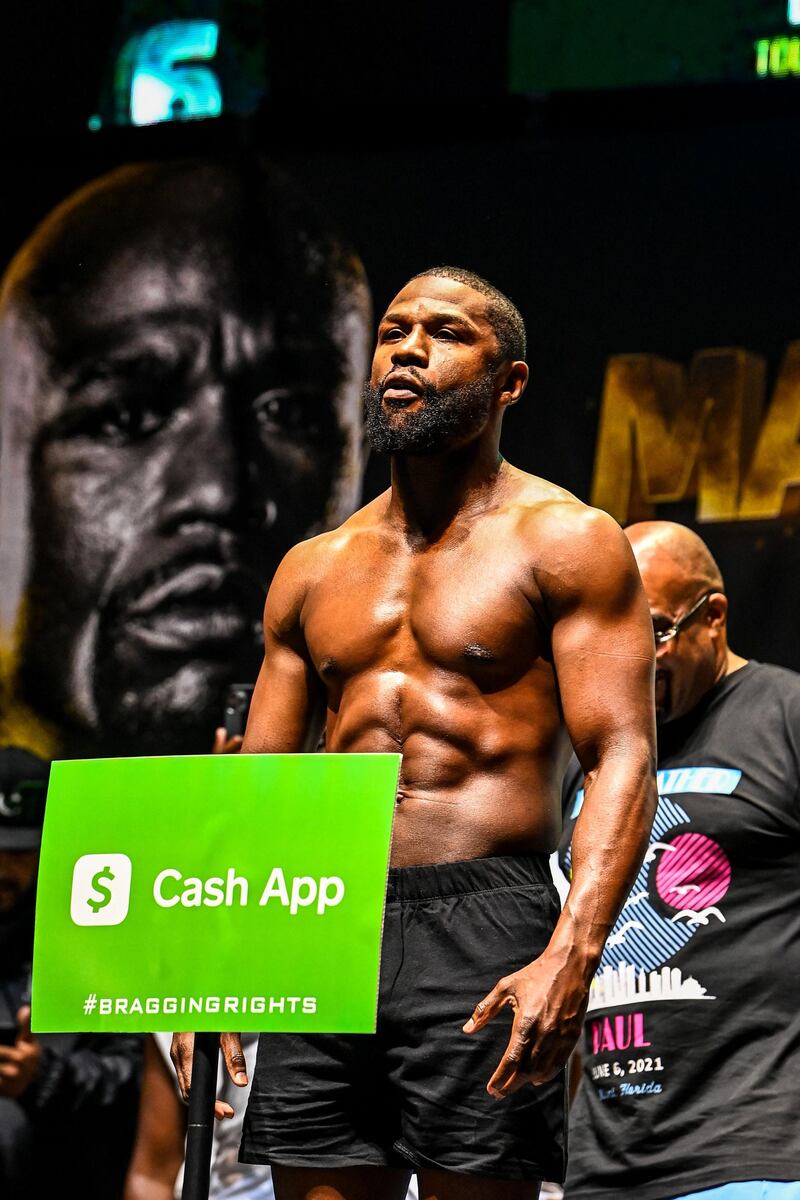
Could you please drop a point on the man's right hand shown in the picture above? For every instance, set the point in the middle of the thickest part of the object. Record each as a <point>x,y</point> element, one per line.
<point>224,744</point>
<point>182,1051</point>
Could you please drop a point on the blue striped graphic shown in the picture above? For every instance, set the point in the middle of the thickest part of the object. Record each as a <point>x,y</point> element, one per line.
<point>656,939</point>
<point>720,781</point>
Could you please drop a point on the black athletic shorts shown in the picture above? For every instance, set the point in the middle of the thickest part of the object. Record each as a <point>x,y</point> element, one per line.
<point>414,1093</point>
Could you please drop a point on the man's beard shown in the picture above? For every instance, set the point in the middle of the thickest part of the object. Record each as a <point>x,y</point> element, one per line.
<point>442,419</point>
<point>104,692</point>
<point>663,693</point>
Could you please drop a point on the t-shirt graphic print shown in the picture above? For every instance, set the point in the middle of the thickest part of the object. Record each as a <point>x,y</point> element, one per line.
<point>692,1037</point>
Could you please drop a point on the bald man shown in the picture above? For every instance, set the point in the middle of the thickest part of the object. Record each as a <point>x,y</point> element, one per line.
<point>691,1048</point>
<point>182,346</point>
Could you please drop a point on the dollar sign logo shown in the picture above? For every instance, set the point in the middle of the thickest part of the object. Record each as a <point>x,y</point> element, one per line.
<point>96,903</point>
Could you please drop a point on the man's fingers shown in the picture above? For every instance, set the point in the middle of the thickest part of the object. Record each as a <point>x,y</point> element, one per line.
<point>547,1055</point>
<point>545,1067</point>
<point>222,1110</point>
<point>534,1070</point>
<point>233,1054</point>
<point>508,1076</point>
<point>513,1084</point>
<point>514,1067</point>
<point>181,1052</point>
<point>224,744</point>
<point>487,1008</point>
<point>24,1023</point>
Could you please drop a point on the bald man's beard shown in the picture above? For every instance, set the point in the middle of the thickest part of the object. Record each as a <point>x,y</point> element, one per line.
<point>663,693</point>
<point>444,418</point>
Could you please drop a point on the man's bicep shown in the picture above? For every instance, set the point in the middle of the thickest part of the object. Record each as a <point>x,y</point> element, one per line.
<point>603,650</point>
<point>284,700</point>
<point>288,688</point>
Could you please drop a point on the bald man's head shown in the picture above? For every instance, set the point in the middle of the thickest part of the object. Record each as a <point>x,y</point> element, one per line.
<point>682,580</point>
<point>691,558</point>
<point>182,347</point>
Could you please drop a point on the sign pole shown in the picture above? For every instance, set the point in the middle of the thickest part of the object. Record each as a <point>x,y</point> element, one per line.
<point>200,1130</point>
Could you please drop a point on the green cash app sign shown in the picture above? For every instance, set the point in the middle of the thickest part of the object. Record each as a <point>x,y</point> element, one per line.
<point>230,892</point>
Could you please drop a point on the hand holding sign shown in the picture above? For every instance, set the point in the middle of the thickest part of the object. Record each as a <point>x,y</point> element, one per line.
<point>182,1052</point>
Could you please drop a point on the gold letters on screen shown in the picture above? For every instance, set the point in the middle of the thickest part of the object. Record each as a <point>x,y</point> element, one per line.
<point>668,435</point>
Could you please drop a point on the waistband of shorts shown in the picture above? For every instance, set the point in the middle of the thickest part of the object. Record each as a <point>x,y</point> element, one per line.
<point>468,875</point>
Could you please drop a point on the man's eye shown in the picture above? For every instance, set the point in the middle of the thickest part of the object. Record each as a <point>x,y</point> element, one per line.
<point>296,413</point>
<point>447,335</point>
<point>130,423</point>
<point>117,422</point>
<point>392,335</point>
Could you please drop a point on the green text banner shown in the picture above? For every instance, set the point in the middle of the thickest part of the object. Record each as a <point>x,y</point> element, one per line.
<point>213,892</point>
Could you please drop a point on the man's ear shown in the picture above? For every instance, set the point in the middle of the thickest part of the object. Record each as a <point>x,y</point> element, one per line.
<point>717,609</point>
<point>514,380</point>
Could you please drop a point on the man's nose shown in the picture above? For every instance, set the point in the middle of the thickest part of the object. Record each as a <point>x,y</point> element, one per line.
<point>412,349</point>
<point>200,469</point>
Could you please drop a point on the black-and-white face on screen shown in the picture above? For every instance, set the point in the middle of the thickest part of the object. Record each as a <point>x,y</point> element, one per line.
<point>182,348</point>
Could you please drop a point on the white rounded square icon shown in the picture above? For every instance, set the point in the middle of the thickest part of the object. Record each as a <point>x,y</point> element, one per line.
<point>101,889</point>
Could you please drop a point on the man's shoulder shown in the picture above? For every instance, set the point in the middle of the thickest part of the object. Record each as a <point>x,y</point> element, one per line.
<point>755,706</point>
<point>783,678</point>
<point>769,678</point>
<point>553,520</point>
<point>309,559</point>
<point>551,508</point>
<point>533,492</point>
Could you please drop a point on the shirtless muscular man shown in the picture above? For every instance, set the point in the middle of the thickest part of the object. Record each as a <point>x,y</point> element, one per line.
<point>481,621</point>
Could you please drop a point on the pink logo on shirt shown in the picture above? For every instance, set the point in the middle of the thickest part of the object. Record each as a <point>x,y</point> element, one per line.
<point>693,872</point>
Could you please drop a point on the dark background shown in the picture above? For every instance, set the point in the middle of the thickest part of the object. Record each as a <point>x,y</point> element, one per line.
<point>650,219</point>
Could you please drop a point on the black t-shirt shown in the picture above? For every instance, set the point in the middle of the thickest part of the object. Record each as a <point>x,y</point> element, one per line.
<point>691,1045</point>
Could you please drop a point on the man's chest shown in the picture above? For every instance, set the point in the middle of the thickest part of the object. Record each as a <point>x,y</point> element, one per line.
<point>469,608</point>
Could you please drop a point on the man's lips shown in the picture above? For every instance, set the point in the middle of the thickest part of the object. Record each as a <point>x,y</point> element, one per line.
<point>401,389</point>
<point>200,582</point>
<point>189,631</point>
<point>182,608</point>
<point>400,397</point>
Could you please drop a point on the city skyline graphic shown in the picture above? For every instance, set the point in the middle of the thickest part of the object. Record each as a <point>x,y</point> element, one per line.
<point>625,984</point>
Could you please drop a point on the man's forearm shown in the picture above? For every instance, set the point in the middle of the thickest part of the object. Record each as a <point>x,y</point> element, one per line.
<point>608,846</point>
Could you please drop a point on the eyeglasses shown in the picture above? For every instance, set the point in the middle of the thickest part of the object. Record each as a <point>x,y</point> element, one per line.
<point>664,635</point>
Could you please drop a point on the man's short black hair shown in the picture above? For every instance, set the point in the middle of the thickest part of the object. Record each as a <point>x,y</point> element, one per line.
<point>504,316</point>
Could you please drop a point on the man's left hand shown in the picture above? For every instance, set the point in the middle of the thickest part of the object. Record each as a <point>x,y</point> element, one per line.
<point>19,1064</point>
<point>549,1002</point>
